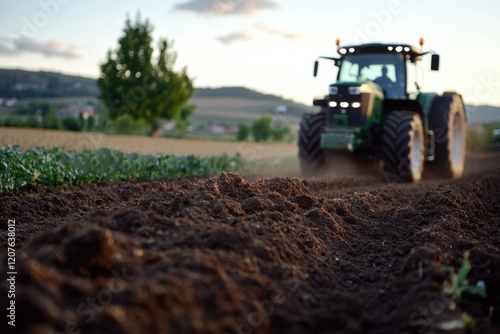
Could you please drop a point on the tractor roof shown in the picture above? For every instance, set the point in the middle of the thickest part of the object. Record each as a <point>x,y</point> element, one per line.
<point>410,52</point>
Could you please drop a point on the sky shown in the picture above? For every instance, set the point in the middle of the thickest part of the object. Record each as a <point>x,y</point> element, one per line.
<point>266,45</point>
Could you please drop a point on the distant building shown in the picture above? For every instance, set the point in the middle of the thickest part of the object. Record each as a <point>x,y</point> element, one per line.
<point>168,126</point>
<point>219,129</point>
<point>232,129</point>
<point>10,102</point>
<point>281,109</point>
<point>77,109</point>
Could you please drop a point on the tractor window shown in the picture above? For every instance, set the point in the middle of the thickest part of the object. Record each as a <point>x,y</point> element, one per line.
<point>413,80</point>
<point>349,71</point>
<point>374,71</point>
<point>386,70</point>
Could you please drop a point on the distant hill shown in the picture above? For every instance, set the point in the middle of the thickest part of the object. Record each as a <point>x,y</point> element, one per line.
<point>482,114</point>
<point>240,92</point>
<point>27,84</point>
<point>24,84</point>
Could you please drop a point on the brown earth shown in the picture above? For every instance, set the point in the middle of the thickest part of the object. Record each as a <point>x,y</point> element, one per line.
<point>279,255</point>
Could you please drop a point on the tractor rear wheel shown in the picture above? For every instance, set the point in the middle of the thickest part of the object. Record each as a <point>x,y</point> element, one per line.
<point>447,120</point>
<point>403,147</point>
<point>311,156</point>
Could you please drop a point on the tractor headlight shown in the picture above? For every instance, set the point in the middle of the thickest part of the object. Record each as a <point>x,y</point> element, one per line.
<point>354,90</point>
<point>333,90</point>
<point>332,104</point>
<point>356,104</point>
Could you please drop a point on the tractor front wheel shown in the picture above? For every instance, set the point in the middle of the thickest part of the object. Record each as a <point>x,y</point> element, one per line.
<point>311,156</point>
<point>403,147</point>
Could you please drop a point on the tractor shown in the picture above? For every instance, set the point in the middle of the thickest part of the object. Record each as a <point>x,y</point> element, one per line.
<point>375,116</point>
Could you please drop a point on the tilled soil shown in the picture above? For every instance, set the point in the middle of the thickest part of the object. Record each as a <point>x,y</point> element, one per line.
<point>280,255</point>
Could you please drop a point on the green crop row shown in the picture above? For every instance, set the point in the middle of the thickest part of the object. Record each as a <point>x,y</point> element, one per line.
<point>20,169</point>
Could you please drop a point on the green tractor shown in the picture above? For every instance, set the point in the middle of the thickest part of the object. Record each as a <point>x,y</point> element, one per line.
<point>376,115</point>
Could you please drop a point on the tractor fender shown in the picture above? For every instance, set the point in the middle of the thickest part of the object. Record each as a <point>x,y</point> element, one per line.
<point>453,93</point>
<point>437,104</point>
<point>447,120</point>
<point>406,105</point>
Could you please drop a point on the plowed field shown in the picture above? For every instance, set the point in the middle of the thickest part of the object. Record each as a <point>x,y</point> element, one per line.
<point>232,255</point>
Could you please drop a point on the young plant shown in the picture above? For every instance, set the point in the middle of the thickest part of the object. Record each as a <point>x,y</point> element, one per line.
<point>458,283</point>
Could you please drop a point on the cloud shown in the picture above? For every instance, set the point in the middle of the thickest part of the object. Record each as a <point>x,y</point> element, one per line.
<point>5,50</point>
<point>267,28</point>
<point>247,34</point>
<point>236,36</point>
<point>52,48</point>
<point>235,7</point>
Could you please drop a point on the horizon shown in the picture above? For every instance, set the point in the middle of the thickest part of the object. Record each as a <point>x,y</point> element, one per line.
<point>257,44</point>
<point>286,98</point>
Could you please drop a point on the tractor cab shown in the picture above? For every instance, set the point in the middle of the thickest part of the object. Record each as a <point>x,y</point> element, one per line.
<point>385,70</point>
<point>387,65</point>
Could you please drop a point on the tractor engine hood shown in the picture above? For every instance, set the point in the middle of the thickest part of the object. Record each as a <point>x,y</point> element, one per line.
<point>350,103</point>
<point>351,107</point>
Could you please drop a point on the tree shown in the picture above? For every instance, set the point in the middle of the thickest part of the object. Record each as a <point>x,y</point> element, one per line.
<point>51,121</point>
<point>279,132</point>
<point>71,123</point>
<point>262,129</point>
<point>90,123</point>
<point>243,131</point>
<point>133,83</point>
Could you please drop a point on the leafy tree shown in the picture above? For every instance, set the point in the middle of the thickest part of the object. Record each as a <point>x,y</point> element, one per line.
<point>262,129</point>
<point>71,123</point>
<point>134,83</point>
<point>51,121</point>
<point>32,122</point>
<point>279,132</point>
<point>243,131</point>
<point>126,125</point>
<point>90,123</point>
<point>15,122</point>
<point>82,121</point>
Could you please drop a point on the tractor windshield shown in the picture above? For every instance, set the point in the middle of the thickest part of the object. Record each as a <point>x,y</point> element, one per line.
<point>386,70</point>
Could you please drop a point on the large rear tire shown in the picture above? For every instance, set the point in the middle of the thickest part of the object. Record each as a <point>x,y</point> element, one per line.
<point>447,120</point>
<point>403,147</point>
<point>311,156</point>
